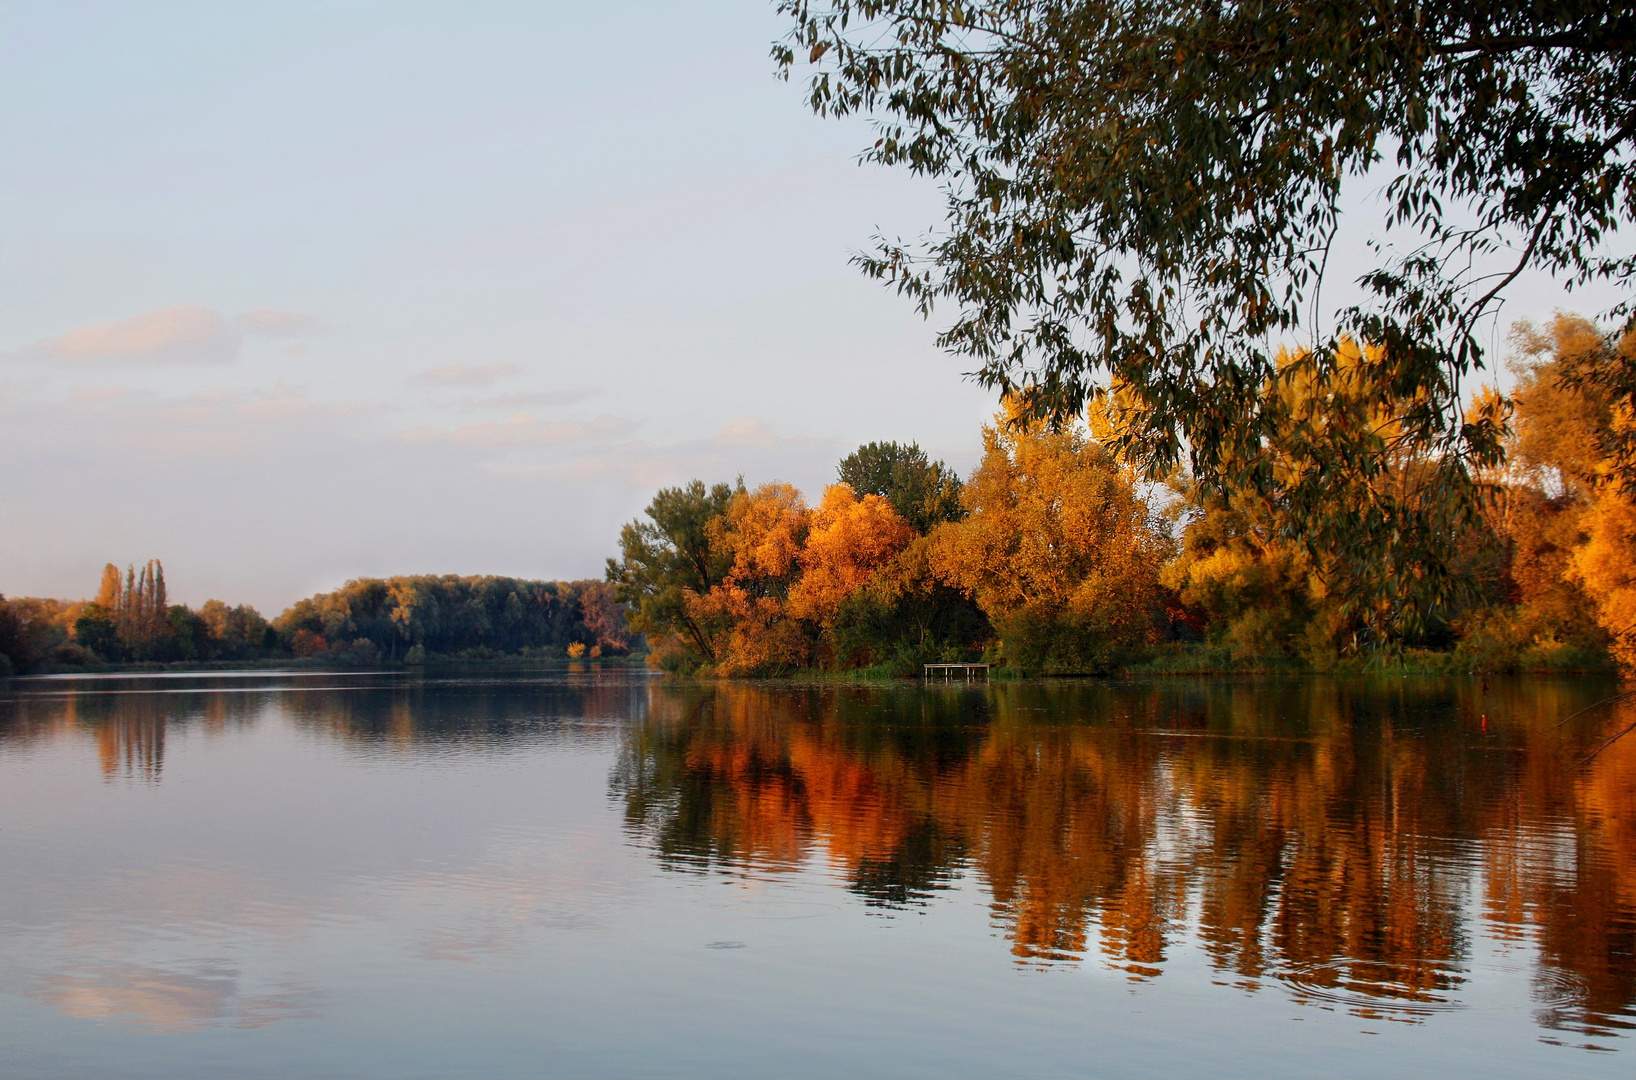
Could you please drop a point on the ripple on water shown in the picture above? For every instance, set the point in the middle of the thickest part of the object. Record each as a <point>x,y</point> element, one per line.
<point>1372,989</point>
<point>1566,1003</point>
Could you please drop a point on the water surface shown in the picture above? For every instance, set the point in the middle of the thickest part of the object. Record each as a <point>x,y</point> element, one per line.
<point>602,873</point>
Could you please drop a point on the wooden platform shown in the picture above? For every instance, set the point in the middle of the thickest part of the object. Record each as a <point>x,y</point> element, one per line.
<point>948,670</point>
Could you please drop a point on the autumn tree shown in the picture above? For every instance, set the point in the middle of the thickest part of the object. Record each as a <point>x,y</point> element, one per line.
<point>742,620</point>
<point>138,609</point>
<point>603,616</point>
<point>1253,591</point>
<point>1147,196</point>
<point>851,539</point>
<point>1251,558</point>
<point>1057,548</point>
<point>1569,446</point>
<point>1606,567</point>
<point>234,633</point>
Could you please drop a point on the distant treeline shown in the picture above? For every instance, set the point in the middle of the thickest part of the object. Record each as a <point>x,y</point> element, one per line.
<point>406,619</point>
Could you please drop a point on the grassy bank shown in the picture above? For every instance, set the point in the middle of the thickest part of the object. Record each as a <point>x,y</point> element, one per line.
<point>432,664</point>
<point>1201,659</point>
<point>1198,659</point>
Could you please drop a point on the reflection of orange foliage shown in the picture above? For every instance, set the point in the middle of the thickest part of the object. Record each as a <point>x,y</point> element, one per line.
<point>1298,846</point>
<point>851,539</point>
<point>1589,924</point>
<point>133,744</point>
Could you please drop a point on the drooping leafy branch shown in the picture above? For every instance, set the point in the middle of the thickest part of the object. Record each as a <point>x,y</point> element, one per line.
<point>1145,195</point>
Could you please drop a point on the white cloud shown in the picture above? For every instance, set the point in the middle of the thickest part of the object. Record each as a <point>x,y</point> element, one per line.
<point>468,374</point>
<point>278,323</point>
<point>522,429</point>
<point>182,334</point>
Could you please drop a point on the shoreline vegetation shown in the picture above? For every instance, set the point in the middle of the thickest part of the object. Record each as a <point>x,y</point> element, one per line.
<point>1055,557</point>
<point>1187,660</point>
<point>1058,557</point>
<point>368,622</point>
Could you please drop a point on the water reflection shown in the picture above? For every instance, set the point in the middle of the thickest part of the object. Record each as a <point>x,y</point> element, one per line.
<point>171,1000</point>
<point>1365,849</point>
<point>1330,837</point>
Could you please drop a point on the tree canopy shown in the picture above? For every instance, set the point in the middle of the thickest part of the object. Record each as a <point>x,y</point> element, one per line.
<point>1145,195</point>
<point>922,491</point>
<point>669,556</point>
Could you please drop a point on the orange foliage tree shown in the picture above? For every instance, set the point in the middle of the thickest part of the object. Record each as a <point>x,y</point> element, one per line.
<point>852,540</point>
<point>743,617</point>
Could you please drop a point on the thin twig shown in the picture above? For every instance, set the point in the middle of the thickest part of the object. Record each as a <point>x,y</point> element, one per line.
<point>1588,758</point>
<point>1588,708</point>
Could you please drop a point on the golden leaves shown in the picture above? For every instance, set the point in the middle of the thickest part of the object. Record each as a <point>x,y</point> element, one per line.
<point>852,539</point>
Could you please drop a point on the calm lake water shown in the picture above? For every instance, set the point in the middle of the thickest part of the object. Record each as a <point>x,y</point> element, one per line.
<point>608,874</point>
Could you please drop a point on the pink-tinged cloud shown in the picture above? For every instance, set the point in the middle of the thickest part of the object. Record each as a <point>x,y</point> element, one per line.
<point>530,400</point>
<point>745,446</point>
<point>92,396</point>
<point>746,432</point>
<point>175,335</point>
<point>468,374</point>
<point>523,429</point>
<point>283,403</point>
<point>278,323</point>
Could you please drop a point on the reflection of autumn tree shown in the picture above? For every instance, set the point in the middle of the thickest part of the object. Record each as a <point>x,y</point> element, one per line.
<point>1562,871</point>
<point>1593,933</point>
<point>719,777</point>
<point>1061,830</point>
<point>1311,833</point>
<point>132,743</point>
<point>127,729</point>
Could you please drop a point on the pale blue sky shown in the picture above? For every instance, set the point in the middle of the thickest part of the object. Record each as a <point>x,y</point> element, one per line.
<point>615,241</point>
<point>295,292</point>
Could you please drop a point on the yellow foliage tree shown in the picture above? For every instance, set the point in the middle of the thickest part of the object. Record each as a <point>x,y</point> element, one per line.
<point>1259,592</point>
<point>1285,564</point>
<point>1057,549</point>
<point>1566,441</point>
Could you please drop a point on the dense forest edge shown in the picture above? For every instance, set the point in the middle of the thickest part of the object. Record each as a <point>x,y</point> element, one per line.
<point>1054,557</point>
<point>1057,557</point>
<point>368,622</point>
